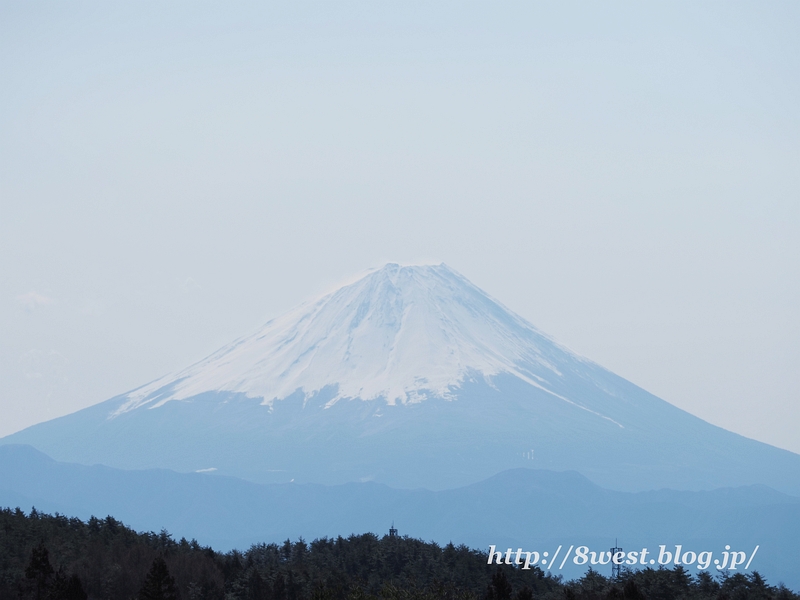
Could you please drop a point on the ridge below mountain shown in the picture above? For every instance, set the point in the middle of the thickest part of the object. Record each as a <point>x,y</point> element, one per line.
<point>528,508</point>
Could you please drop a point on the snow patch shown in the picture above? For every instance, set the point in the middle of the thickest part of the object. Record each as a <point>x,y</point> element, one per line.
<point>401,334</point>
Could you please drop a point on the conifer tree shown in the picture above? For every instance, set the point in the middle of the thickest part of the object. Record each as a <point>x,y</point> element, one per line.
<point>500,588</point>
<point>525,594</point>
<point>258,589</point>
<point>67,588</point>
<point>279,587</point>
<point>631,591</point>
<point>39,570</point>
<point>159,584</point>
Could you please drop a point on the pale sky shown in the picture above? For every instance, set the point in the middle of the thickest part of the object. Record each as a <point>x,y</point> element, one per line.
<point>624,175</point>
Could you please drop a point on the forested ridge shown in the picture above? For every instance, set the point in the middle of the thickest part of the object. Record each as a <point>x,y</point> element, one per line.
<point>54,557</point>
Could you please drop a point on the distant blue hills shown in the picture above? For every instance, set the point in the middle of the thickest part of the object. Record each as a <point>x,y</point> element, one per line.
<point>528,508</point>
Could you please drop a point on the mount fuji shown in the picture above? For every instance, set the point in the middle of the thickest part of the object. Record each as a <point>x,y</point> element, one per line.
<point>412,377</point>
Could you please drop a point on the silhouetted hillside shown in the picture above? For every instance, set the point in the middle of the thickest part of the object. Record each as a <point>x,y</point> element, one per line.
<point>55,557</point>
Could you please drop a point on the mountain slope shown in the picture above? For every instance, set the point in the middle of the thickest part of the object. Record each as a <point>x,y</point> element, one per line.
<point>410,376</point>
<point>401,334</point>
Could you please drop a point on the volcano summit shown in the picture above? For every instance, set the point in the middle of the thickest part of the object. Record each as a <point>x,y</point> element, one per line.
<point>413,377</point>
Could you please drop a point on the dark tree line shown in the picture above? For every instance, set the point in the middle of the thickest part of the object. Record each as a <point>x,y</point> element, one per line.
<point>52,557</point>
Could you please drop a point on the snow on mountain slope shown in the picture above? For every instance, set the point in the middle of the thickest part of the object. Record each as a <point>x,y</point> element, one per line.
<point>401,333</point>
<point>413,377</point>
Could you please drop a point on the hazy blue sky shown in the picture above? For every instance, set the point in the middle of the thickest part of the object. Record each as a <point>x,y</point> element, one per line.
<point>625,175</point>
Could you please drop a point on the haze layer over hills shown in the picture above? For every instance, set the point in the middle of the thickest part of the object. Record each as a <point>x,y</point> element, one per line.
<point>413,377</point>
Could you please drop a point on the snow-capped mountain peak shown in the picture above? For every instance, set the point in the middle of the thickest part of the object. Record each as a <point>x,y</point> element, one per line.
<point>475,389</point>
<point>401,333</point>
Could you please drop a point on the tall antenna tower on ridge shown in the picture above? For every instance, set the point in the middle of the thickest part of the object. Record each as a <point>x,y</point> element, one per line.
<point>392,531</point>
<point>615,567</point>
